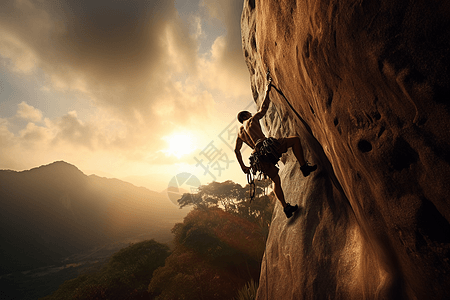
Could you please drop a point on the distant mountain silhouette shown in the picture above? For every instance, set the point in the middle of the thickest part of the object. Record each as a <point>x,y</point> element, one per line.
<point>53,211</point>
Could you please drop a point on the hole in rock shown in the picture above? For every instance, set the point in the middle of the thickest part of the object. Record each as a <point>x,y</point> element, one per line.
<point>432,224</point>
<point>421,121</point>
<point>306,45</point>
<point>380,65</point>
<point>377,115</point>
<point>382,129</point>
<point>251,3</point>
<point>415,76</point>
<point>312,110</point>
<point>334,39</point>
<point>442,95</point>
<point>253,43</point>
<point>403,155</point>
<point>336,121</point>
<point>364,146</point>
<point>329,97</point>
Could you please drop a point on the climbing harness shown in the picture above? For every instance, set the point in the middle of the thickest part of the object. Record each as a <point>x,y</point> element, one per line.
<point>270,150</point>
<point>266,151</point>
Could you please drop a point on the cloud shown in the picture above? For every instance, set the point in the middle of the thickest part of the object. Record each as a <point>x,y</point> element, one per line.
<point>196,21</point>
<point>225,71</point>
<point>136,61</point>
<point>33,133</point>
<point>130,58</point>
<point>123,54</point>
<point>23,58</point>
<point>225,68</point>
<point>28,112</point>
<point>119,52</point>
<point>6,137</point>
<point>70,129</point>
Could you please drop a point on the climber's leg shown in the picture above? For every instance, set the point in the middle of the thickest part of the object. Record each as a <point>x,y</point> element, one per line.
<point>294,142</point>
<point>278,190</point>
<point>297,148</point>
<point>272,171</point>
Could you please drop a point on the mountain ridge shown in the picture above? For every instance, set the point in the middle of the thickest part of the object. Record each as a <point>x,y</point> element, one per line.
<point>55,210</point>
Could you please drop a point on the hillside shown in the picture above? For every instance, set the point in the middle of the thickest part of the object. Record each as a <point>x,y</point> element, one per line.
<point>365,84</point>
<point>55,211</point>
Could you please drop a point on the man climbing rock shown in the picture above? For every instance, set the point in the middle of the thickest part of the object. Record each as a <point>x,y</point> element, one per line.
<point>267,151</point>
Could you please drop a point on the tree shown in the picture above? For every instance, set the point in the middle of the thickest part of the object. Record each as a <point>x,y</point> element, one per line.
<point>216,253</point>
<point>234,198</point>
<point>214,194</point>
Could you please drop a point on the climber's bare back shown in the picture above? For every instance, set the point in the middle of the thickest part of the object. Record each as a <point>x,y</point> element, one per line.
<point>251,132</point>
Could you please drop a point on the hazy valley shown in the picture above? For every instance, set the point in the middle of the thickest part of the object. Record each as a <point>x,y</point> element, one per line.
<point>55,221</point>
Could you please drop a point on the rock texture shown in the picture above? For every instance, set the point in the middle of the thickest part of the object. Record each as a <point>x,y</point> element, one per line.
<point>366,85</point>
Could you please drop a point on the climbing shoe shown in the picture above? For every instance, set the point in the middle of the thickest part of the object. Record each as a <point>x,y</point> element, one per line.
<point>307,169</point>
<point>289,210</point>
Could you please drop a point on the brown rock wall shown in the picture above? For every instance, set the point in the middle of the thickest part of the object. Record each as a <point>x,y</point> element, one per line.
<point>366,85</point>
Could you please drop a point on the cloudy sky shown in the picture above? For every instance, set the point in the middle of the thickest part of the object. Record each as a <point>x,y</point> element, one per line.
<point>137,89</point>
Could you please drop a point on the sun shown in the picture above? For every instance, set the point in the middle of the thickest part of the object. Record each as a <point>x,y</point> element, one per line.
<point>179,144</point>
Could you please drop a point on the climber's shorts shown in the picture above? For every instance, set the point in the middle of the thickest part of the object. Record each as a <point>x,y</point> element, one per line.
<point>283,145</point>
<point>270,169</point>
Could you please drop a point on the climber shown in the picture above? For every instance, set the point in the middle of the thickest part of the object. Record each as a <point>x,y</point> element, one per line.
<point>267,151</point>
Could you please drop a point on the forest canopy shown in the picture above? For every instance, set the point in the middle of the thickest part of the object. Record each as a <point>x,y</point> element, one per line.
<point>218,249</point>
<point>219,246</point>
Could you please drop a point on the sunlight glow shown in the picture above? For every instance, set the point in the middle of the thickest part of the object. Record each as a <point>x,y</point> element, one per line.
<point>179,144</point>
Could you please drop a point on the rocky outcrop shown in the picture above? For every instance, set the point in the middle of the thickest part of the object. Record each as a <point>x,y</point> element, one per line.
<point>366,85</point>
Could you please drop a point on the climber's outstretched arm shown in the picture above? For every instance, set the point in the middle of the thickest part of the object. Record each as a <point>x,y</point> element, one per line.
<point>237,151</point>
<point>265,105</point>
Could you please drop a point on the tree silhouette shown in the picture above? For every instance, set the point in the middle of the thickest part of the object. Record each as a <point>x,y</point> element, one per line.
<point>216,253</point>
<point>233,198</point>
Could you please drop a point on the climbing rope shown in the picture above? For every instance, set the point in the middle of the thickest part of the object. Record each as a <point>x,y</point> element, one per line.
<point>269,78</point>
<point>251,183</point>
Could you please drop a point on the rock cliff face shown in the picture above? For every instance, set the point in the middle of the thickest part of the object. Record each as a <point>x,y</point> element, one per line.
<point>366,85</point>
